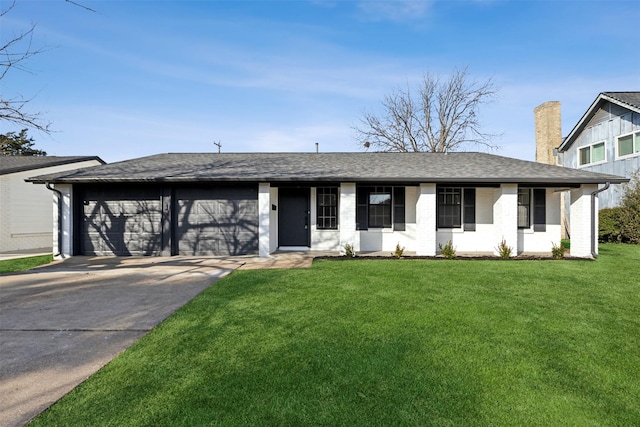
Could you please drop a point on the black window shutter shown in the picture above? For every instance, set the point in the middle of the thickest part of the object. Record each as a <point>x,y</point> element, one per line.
<point>398,209</point>
<point>469,209</point>
<point>362,208</point>
<point>539,209</point>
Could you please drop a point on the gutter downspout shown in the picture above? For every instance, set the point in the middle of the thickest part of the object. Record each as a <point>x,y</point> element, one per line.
<point>593,218</point>
<point>59,194</point>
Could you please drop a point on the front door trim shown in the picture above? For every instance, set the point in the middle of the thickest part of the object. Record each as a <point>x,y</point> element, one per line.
<point>294,218</point>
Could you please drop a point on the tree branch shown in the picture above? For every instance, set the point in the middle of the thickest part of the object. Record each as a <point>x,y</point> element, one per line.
<point>442,118</point>
<point>13,54</point>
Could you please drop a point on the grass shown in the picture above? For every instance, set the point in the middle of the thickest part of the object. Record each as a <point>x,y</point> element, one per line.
<point>20,264</point>
<point>415,342</point>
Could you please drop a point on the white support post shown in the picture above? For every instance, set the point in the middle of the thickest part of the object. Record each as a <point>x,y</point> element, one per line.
<point>348,233</point>
<point>426,220</point>
<point>65,223</point>
<point>583,225</point>
<point>505,216</point>
<point>264,211</point>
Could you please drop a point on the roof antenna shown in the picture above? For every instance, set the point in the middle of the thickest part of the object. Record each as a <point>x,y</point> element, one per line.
<point>219,145</point>
<point>317,149</point>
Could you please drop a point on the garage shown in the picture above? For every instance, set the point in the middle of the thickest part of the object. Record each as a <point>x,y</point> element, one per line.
<point>121,221</point>
<point>168,220</point>
<point>216,220</point>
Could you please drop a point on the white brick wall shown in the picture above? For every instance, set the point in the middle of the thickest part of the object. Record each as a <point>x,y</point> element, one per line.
<point>505,216</point>
<point>264,220</point>
<point>66,222</point>
<point>386,240</point>
<point>322,240</point>
<point>483,239</point>
<point>347,217</point>
<point>542,241</point>
<point>582,234</point>
<point>426,220</point>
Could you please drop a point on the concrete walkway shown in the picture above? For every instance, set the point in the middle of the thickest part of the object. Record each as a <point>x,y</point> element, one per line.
<point>61,323</point>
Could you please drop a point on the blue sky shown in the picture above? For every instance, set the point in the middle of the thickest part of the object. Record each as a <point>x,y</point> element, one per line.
<point>137,78</point>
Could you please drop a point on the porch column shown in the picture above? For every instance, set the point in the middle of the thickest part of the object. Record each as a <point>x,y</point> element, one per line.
<point>426,220</point>
<point>583,223</point>
<point>347,217</point>
<point>65,222</point>
<point>505,217</point>
<point>264,210</point>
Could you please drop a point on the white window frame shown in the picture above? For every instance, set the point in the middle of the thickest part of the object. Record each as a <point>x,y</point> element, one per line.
<point>590,147</point>
<point>635,141</point>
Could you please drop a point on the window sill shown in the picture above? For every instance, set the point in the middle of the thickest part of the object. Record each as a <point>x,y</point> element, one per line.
<point>525,230</point>
<point>628,156</point>
<point>379,230</point>
<point>451,230</point>
<point>602,162</point>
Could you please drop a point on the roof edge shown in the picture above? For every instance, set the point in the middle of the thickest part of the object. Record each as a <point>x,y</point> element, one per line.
<point>416,181</point>
<point>53,164</point>
<point>602,96</point>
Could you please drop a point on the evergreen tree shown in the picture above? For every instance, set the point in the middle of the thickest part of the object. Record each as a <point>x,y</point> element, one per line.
<point>18,144</point>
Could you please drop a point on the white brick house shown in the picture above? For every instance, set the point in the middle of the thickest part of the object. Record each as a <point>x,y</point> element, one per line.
<point>26,222</point>
<point>258,203</point>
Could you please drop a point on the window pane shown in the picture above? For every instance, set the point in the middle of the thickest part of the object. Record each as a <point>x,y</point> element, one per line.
<point>597,153</point>
<point>625,145</point>
<point>585,157</point>
<point>379,199</point>
<point>637,144</point>
<point>524,196</point>
<point>469,209</point>
<point>327,209</point>
<point>524,207</point>
<point>398,209</point>
<point>380,209</point>
<point>523,216</point>
<point>449,207</point>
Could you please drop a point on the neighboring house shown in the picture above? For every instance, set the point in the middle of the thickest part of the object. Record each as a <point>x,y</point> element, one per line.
<point>26,221</point>
<point>606,140</point>
<point>258,203</point>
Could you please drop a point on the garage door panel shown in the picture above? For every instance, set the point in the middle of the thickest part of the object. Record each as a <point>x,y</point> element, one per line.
<point>141,243</point>
<point>217,221</point>
<point>121,222</point>
<point>207,220</point>
<point>199,246</point>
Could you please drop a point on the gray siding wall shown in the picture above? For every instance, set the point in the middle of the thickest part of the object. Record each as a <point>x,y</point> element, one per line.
<point>607,124</point>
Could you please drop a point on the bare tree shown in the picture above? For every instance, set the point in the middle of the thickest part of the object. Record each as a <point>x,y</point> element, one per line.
<point>13,54</point>
<point>442,117</point>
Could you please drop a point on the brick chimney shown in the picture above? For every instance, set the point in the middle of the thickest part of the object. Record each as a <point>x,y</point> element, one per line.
<point>548,131</point>
<point>549,137</point>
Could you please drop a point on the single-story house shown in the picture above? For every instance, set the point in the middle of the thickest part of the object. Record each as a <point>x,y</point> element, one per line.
<point>258,203</point>
<point>26,222</point>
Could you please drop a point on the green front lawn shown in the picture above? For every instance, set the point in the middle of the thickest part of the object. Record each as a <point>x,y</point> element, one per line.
<point>411,342</point>
<point>20,264</point>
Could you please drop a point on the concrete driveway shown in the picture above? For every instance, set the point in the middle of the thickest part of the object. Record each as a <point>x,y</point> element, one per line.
<point>59,324</point>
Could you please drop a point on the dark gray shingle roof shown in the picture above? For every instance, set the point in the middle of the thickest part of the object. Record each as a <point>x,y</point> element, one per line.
<point>330,167</point>
<point>632,99</point>
<point>13,164</point>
